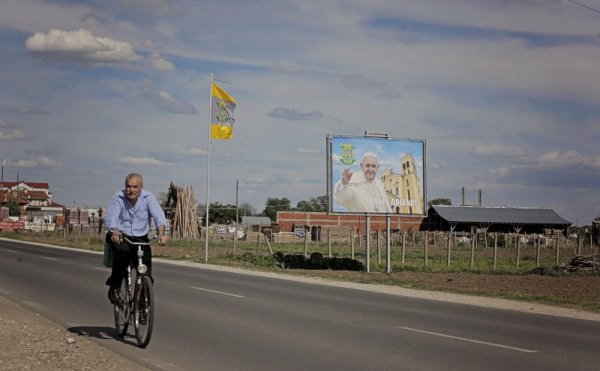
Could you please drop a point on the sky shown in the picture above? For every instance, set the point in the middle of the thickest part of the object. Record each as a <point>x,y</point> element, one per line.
<point>504,93</point>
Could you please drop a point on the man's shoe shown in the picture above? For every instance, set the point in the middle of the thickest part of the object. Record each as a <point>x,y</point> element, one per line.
<point>113,295</point>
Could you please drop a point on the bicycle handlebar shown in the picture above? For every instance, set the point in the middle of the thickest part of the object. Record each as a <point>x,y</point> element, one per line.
<point>153,240</point>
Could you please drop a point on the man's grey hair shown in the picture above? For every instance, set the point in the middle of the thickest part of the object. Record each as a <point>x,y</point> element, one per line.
<point>135,175</point>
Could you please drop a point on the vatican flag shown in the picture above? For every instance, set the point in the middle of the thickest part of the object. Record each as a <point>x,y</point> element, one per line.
<point>222,106</point>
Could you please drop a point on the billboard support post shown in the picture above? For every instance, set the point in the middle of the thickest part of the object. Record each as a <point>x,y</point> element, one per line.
<point>388,262</point>
<point>368,242</point>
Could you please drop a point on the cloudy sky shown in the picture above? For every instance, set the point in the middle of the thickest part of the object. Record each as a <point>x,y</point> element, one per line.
<point>504,92</point>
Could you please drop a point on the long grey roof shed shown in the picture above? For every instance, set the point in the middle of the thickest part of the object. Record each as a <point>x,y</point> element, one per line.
<point>494,219</point>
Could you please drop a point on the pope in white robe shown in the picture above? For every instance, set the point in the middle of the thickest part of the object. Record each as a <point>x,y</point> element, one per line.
<point>363,191</point>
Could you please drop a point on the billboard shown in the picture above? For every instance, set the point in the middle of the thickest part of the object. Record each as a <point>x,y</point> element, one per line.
<point>376,175</point>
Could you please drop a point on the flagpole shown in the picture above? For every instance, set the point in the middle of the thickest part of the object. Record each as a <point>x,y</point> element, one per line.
<point>208,171</point>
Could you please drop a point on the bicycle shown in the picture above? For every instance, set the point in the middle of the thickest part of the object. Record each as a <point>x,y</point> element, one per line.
<point>136,304</point>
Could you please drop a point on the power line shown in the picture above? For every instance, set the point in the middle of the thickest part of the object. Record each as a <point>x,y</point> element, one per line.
<point>585,6</point>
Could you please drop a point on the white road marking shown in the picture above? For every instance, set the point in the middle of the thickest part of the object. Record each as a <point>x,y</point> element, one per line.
<point>217,292</point>
<point>11,250</point>
<point>470,340</point>
<point>103,269</point>
<point>49,258</point>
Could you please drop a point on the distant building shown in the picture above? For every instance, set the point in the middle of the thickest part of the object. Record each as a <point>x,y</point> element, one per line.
<point>493,219</point>
<point>34,200</point>
<point>289,221</point>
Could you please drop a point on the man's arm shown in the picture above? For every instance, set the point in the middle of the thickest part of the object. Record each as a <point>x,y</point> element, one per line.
<point>160,221</point>
<point>111,220</point>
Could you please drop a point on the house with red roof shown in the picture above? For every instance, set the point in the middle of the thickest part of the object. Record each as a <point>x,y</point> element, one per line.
<point>34,200</point>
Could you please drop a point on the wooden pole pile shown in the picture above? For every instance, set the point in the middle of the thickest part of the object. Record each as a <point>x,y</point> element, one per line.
<point>184,223</point>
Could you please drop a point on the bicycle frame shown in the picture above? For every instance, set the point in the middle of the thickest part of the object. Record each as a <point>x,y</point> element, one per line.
<point>138,305</point>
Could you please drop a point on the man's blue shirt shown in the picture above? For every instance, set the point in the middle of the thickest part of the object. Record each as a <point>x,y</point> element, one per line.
<point>134,220</point>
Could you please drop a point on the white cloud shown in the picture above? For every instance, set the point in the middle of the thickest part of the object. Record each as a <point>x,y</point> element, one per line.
<point>40,162</point>
<point>157,62</point>
<point>81,46</point>
<point>497,150</point>
<point>47,162</point>
<point>287,66</point>
<point>141,161</point>
<point>11,135</point>
<point>555,159</point>
<point>165,101</point>
<point>308,151</point>
<point>194,151</point>
<point>291,114</point>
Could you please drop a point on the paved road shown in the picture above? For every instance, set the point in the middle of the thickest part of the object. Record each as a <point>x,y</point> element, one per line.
<point>218,320</point>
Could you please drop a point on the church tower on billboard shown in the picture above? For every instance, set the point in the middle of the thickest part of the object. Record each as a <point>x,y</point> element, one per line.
<point>404,189</point>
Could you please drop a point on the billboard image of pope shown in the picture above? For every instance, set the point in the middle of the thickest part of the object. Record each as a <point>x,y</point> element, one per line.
<point>376,175</point>
<point>362,191</point>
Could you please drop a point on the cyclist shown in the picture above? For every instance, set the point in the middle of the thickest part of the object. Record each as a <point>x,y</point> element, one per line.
<point>129,214</point>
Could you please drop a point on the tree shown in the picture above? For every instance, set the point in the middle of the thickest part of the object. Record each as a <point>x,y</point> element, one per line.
<point>224,214</point>
<point>245,209</point>
<point>440,201</point>
<point>273,205</point>
<point>13,208</point>
<point>314,204</point>
<point>218,213</point>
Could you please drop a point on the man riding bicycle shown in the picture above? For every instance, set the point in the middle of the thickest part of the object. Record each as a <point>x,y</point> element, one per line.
<point>129,215</point>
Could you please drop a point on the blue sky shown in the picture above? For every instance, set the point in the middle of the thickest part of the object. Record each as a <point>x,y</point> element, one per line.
<point>505,92</point>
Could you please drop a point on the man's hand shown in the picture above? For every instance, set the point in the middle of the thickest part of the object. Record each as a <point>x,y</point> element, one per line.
<point>346,175</point>
<point>162,239</point>
<point>116,237</point>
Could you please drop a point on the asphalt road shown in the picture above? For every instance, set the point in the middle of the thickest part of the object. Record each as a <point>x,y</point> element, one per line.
<point>208,319</point>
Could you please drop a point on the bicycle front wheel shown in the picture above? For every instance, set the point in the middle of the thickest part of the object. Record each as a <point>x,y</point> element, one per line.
<point>121,310</point>
<point>144,312</point>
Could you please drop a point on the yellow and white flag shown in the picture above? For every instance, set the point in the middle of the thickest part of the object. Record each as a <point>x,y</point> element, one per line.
<point>222,106</point>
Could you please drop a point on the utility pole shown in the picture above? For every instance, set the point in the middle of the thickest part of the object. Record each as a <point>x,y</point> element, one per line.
<point>2,176</point>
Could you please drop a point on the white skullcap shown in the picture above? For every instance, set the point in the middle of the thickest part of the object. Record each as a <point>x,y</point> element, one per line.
<point>369,154</point>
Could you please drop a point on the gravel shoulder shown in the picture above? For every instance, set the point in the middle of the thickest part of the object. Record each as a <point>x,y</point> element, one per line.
<point>29,341</point>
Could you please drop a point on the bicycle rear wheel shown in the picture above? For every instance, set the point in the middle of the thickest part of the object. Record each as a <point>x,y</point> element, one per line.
<point>144,312</point>
<point>121,310</point>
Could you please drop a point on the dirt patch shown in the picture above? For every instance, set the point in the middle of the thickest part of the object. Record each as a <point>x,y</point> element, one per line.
<point>569,290</point>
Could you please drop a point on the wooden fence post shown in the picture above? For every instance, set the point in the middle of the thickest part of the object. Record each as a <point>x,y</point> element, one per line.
<point>425,245</point>
<point>518,252</point>
<point>352,242</point>
<point>329,242</point>
<point>305,242</point>
<point>537,251</point>
<point>377,232</point>
<point>495,250</point>
<point>448,247</point>
<point>557,243</point>
<point>403,245</point>
<point>257,242</point>
<point>473,249</point>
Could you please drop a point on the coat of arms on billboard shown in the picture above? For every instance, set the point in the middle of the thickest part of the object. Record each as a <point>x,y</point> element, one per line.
<point>347,154</point>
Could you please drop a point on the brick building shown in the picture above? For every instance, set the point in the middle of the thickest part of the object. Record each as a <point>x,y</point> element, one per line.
<point>288,220</point>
